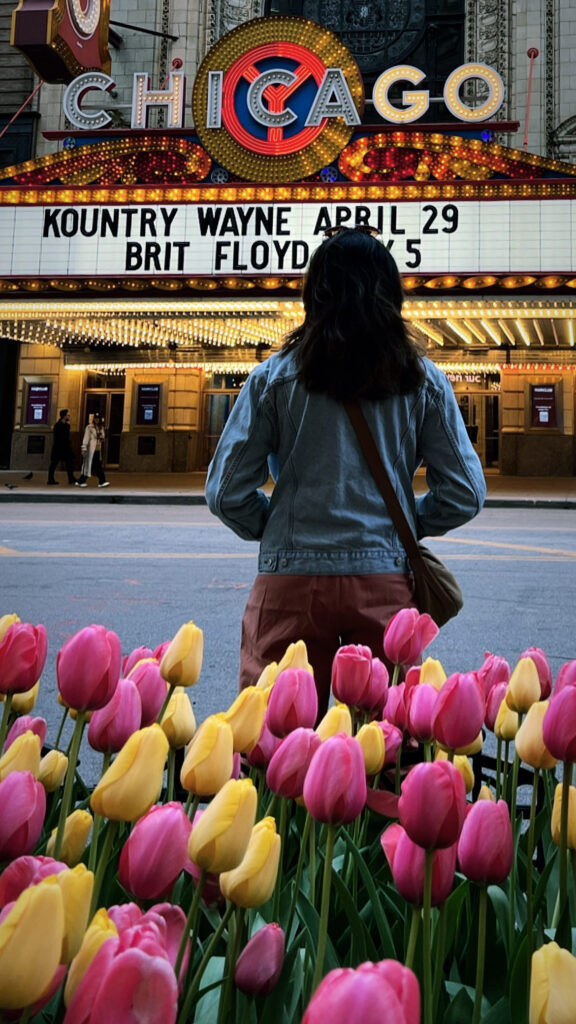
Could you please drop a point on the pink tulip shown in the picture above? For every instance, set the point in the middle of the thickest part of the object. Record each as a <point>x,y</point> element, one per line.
<point>155,852</point>
<point>335,783</point>
<point>112,725</point>
<point>543,669</point>
<point>259,966</point>
<point>406,636</point>
<point>260,755</point>
<point>151,687</point>
<point>432,804</point>
<point>395,706</point>
<point>407,863</point>
<point>293,702</point>
<point>22,810</point>
<point>493,701</point>
<point>24,872</point>
<point>493,671</point>
<point>88,668</point>
<point>26,723</point>
<point>372,993</point>
<point>22,657</point>
<point>421,705</point>
<point>160,651</point>
<point>459,712</point>
<point>170,921</point>
<point>129,981</point>
<point>486,845</point>
<point>566,677</point>
<point>132,659</point>
<point>375,698</point>
<point>559,725</point>
<point>288,766</point>
<point>392,741</point>
<point>351,673</point>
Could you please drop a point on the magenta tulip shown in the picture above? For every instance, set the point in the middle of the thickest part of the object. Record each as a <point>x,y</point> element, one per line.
<point>164,922</point>
<point>22,810</point>
<point>459,712</point>
<point>372,993</point>
<point>351,673</point>
<point>289,764</point>
<point>543,669</point>
<point>393,739</point>
<point>395,706</point>
<point>24,872</point>
<point>566,677</point>
<point>22,657</point>
<point>432,805</point>
<point>260,963</point>
<point>407,635</point>
<point>293,702</point>
<point>493,671</point>
<point>421,705</point>
<point>559,725</point>
<point>486,844</point>
<point>155,852</point>
<point>493,701</point>
<point>112,725</point>
<point>88,668</point>
<point>268,743</point>
<point>26,723</point>
<point>335,783</point>
<point>151,687</point>
<point>375,698</point>
<point>160,651</point>
<point>132,659</point>
<point>407,863</point>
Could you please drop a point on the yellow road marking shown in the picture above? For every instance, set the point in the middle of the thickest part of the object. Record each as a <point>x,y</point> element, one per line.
<point>513,547</point>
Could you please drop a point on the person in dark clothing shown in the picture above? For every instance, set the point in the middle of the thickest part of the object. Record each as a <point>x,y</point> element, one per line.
<point>62,449</point>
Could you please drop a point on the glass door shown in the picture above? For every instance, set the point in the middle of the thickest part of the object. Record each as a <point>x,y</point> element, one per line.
<point>110,406</point>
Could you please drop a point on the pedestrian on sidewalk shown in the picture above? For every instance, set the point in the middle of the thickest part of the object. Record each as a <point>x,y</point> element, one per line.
<point>94,436</point>
<point>332,570</point>
<point>61,449</point>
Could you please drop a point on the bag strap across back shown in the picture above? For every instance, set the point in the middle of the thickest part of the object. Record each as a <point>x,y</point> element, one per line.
<point>378,470</point>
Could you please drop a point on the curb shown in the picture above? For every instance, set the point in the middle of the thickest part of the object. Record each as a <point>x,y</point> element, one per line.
<point>199,499</point>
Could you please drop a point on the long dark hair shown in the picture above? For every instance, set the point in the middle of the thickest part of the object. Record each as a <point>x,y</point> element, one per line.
<point>353,342</point>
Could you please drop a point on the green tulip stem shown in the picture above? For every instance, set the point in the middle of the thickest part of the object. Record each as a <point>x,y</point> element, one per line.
<point>6,711</point>
<point>563,868</point>
<point>192,988</point>
<point>450,753</point>
<point>413,937</point>
<point>439,957</point>
<point>481,956</point>
<point>97,824</point>
<point>312,862</point>
<point>69,783</point>
<point>226,1012</point>
<point>60,729</point>
<point>103,860</point>
<point>395,675</point>
<point>428,750</point>
<point>530,869</point>
<point>271,806</point>
<point>427,939</point>
<point>170,777</point>
<point>325,906</point>
<point>192,804</point>
<point>261,776</point>
<point>505,772</point>
<point>498,768</point>
<point>190,926</point>
<point>298,875</point>
<point>169,693</point>
<point>513,799</point>
<point>282,834</point>
<point>25,1016</point>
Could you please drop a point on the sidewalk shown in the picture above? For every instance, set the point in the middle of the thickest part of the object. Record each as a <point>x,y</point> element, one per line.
<point>188,489</point>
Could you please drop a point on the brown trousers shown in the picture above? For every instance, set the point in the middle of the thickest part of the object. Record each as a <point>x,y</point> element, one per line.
<point>324,611</point>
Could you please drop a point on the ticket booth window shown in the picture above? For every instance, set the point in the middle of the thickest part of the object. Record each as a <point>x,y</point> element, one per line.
<point>543,406</point>
<point>38,405</point>
<point>148,405</point>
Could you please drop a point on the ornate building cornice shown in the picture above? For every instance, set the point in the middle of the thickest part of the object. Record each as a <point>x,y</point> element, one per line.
<point>224,15</point>
<point>488,38</point>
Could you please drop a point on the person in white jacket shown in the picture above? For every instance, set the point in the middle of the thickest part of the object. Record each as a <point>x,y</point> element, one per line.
<point>91,452</point>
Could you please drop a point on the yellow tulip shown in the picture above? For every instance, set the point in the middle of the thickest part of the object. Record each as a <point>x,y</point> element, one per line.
<point>178,721</point>
<point>252,883</point>
<point>76,886</point>
<point>218,841</point>
<point>529,740</point>
<point>371,739</point>
<point>209,758</point>
<point>556,813</point>
<point>182,662</point>
<point>337,719</point>
<point>486,794</point>
<point>295,656</point>
<point>23,755</point>
<point>432,672</point>
<point>76,831</point>
<point>552,985</point>
<point>462,763</point>
<point>53,768</point>
<point>246,718</point>
<point>524,688</point>
<point>6,621</point>
<point>100,929</point>
<point>133,781</point>
<point>23,703</point>
<point>31,937</point>
<point>506,724</point>
<point>267,676</point>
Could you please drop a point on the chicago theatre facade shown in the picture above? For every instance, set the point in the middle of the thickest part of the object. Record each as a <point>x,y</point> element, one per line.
<point>178,161</point>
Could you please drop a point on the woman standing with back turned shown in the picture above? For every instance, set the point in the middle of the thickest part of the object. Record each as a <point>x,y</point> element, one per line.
<point>332,570</point>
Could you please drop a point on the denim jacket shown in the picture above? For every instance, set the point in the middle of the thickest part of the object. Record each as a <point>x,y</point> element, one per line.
<point>326,514</point>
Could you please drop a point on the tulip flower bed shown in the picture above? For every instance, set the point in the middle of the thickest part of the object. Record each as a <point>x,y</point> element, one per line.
<point>261,867</point>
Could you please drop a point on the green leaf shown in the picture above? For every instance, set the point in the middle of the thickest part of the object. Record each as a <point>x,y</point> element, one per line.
<point>311,920</point>
<point>362,946</point>
<point>501,905</point>
<point>461,1007</point>
<point>388,948</point>
<point>519,980</point>
<point>499,1013</point>
<point>206,1011</point>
